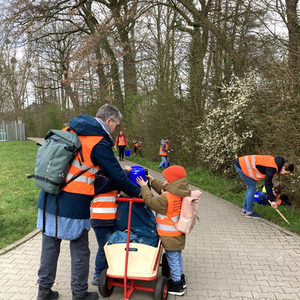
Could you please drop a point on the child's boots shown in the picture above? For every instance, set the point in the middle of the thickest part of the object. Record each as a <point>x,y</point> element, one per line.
<point>176,287</point>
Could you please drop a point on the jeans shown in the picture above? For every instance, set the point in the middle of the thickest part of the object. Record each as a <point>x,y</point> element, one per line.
<point>80,256</point>
<point>175,263</point>
<point>165,161</point>
<point>102,236</point>
<point>250,192</point>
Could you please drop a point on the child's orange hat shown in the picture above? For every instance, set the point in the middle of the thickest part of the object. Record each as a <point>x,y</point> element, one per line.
<point>173,173</point>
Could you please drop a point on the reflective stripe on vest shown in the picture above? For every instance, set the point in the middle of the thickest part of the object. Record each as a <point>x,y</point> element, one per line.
<point>84,184</point>
<point>164,152</point>
<point>248,165</point>
<point>84,177</point>
<point>165,223</point>
<point>121,140</point>
<point>104,206</point>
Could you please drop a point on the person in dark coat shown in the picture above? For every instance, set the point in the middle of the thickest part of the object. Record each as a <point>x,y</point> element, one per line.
<point>70,214</point>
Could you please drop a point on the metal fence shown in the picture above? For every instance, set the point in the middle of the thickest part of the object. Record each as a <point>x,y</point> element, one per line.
<point>12,131</point>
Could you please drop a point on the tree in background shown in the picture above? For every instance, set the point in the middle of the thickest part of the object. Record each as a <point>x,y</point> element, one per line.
<point>15,74</point>
<point>170,66</point>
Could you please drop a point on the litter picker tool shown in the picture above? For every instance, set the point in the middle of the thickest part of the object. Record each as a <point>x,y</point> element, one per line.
<point>282,216</point>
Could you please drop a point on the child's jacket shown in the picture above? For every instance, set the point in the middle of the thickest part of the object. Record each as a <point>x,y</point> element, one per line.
<point>175,191</point>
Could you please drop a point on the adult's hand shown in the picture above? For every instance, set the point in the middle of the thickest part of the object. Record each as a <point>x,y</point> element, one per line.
<point>274,205</point>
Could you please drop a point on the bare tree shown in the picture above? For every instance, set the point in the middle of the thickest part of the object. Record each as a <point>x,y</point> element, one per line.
<point>15,70</point>
<point>293,25</point>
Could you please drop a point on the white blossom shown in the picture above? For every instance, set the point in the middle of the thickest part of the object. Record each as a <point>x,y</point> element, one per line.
<point>225,131</point>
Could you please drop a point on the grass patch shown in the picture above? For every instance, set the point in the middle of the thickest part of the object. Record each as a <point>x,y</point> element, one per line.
<point>18,195</point>
<point>230,190</point>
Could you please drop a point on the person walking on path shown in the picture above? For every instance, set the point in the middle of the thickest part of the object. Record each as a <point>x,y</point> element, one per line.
<point>168,207</point>
<point>252,168</point>
<point>121,142</point>
<point>164,152</point>
<point>70,214</point>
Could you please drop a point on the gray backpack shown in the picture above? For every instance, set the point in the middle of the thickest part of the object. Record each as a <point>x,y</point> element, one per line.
<point>53,160</point>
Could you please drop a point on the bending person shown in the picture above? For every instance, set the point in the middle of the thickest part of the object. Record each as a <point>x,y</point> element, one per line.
<point>252,168</point>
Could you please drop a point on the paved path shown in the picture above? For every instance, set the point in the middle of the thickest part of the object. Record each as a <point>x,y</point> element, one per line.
<point>227,256</point>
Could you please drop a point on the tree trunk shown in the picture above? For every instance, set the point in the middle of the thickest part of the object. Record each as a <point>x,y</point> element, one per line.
<point>294,42</point>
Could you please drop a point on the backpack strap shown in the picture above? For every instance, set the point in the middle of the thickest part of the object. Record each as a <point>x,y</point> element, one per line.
<point>44,212</point>
<point>74,177</point>
<point>56,215</point>
<point>42,178</point>
<point>80,150</point>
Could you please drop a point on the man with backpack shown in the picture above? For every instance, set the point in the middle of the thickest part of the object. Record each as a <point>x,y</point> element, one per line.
<point>66,216</point>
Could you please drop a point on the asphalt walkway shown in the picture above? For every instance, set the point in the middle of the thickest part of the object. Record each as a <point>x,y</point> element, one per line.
<point>227,256</point>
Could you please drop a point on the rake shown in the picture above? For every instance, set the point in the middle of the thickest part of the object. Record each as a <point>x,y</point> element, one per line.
<point>282,216</point>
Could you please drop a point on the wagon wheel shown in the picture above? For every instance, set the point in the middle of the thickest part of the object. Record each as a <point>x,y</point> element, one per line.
<point>161,288</point>
<point>165,269</point>
<point>103,288</point>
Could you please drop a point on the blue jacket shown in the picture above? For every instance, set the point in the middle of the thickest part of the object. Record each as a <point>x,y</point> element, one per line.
<point>77,206</point>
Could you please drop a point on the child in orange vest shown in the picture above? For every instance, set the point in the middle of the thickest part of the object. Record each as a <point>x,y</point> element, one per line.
<point>103,216</point>
<point>168,207</point>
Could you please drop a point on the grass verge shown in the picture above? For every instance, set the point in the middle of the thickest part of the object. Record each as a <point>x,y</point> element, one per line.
<point>18,195</point>
<point>227,189</point>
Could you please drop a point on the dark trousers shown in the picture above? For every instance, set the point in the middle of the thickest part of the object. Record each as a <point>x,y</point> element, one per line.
<point>121,152</point>
<point>80,259</point>
<point>102,236</point>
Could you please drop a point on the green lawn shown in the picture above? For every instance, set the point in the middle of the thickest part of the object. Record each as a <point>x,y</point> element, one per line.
<point>18,194</point>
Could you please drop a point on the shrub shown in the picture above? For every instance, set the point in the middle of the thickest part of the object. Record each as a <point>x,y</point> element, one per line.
<point>225,129</point>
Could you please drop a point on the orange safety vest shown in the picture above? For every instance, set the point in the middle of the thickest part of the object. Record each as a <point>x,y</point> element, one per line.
<point>165,223</point>
<point>84,184</point>
<point>138,146</point>
<point>121,140</point>
<point>248,165</point>
<point>164,152</point>
<point>104,206</point>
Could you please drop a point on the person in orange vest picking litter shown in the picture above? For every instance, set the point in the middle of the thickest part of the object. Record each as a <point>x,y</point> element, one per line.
<point>252,168</point>
<point>137,147</point>
<point>121,142</point>
<point>168,207</point>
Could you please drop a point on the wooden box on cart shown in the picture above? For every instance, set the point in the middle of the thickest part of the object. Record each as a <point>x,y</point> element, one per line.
<point>143,260</point>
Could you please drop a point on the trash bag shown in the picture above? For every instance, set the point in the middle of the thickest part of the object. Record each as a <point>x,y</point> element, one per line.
<point>143,223</point>
<point>121,237</point>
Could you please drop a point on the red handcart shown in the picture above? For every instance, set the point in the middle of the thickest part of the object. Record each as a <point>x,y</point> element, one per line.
<point>130,263</point>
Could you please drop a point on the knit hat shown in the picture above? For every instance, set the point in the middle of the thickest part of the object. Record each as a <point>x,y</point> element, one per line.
<point>174,172</point>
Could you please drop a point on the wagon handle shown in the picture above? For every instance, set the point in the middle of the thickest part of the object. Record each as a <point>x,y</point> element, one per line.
<point>138,200</point>
<point>130,200</point>
<point>127,246</point>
